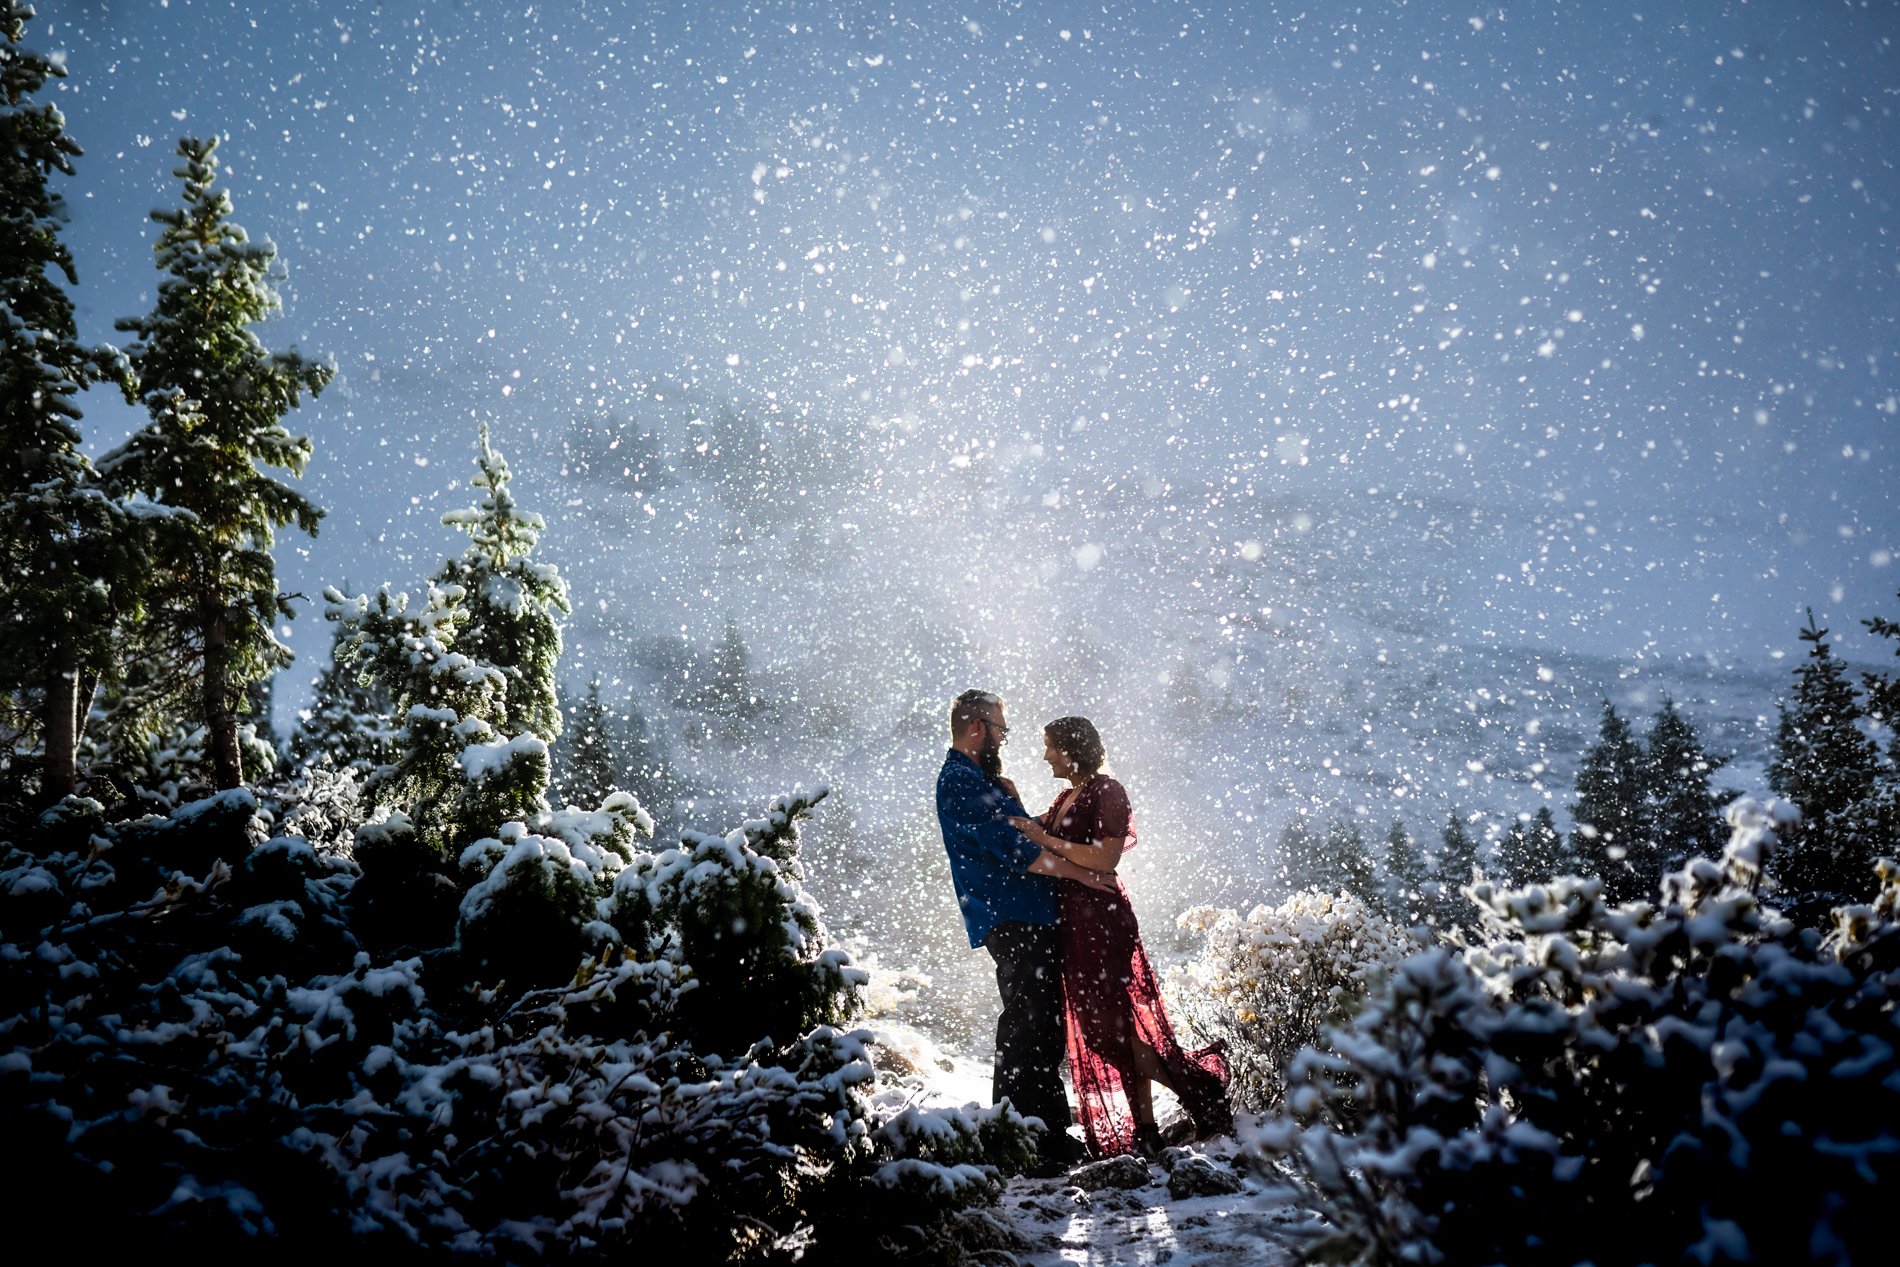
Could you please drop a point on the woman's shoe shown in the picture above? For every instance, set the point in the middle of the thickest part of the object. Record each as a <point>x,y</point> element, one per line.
<point>1148,1141</point>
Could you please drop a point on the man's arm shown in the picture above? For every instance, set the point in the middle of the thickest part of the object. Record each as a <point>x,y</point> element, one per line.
<point>971,803</point>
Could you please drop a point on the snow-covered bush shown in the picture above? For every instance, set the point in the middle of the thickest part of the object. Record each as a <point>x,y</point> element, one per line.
<point>194,1045</point>
<point>1268,983</point>
<point>1694,1079</point>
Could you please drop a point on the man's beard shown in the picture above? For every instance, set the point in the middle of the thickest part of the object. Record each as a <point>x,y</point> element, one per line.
<point>989,758</point>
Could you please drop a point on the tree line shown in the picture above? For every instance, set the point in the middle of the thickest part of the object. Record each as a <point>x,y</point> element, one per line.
<point>1646,805</point>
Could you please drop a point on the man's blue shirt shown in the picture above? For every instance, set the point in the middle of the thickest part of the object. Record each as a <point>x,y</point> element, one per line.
<point>988,857</point>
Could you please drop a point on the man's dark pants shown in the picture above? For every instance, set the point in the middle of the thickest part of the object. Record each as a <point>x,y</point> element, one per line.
<point>1029,1033</point>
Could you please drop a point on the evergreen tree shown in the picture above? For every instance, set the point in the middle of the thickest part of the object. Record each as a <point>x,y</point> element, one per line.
<point>513,603</point>
<point>349,719</point>
<point>1883,689</point>
<point>73,562</point>
<point>1613,836</point>
<point>1297,855</point>
<point>473,748</point>
<point>1684,817</point>
<point>1532,852</point>
<point>644,761</point>
<point>728,691</point>
<point>1187,709</point>
<point>1457,859</point>
<point>587,764</point>
<point>1343,864</point>
<point>217,398</point>
<point>1824,764</point>
<point>1407,876</point>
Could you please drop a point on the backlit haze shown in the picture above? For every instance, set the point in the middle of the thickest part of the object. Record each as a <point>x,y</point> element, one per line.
<point>1336,403</point>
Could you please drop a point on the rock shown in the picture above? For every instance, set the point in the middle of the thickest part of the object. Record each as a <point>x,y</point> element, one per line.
<point>1198,1176</point>
<point>980,1230</point>
<point>1113,1172</point>
<point>1169,1156</point>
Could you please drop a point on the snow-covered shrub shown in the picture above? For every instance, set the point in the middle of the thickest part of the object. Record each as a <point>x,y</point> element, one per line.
<point>194,1046</point>
<point>736,908</point>
<point>533,902</point>
<point>1268,983</point>
<point>1694,1079</point>
<point>321,801</point>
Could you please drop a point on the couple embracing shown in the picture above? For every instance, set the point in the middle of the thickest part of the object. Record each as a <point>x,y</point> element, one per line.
<point>1041,895</point>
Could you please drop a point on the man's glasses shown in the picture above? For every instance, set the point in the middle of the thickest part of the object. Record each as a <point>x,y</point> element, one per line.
<point>1001,729</point>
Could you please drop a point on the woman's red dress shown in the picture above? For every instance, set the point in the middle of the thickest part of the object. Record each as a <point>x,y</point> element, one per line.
<point>1110,991</point>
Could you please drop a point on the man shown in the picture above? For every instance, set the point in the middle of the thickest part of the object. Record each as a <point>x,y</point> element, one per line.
<point>1010,913</point>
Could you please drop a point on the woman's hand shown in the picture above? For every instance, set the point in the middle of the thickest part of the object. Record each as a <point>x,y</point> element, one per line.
<point>1032,829</point>
<point>1009,785</point>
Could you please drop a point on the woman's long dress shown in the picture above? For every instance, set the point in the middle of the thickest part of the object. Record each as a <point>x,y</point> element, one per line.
<point>1110,992</point>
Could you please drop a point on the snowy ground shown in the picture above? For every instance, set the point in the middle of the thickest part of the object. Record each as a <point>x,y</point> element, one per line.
<point>1141,1225</point>
<point>1059,1221</point>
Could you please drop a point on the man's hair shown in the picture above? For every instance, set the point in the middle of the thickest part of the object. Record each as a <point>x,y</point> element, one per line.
<point>971,706</point>
<point>1077,739</point>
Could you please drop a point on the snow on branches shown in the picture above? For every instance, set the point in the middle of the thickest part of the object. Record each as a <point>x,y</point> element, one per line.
<point>1268,983</point>
<point>1692,1077</point>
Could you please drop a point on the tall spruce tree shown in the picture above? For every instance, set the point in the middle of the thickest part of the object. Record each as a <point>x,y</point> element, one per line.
<point>1298,854</point>
<point>349,718</point>
<point>1613,839</point>
<point>1827,766</point>
<point>1685,820</point>
<point>587,765</point>
<point>1407,876</point>
<point>1343,864</point>
<point>73,562</point>
<point>471,669</point>
<point>514,603</point>
<point>1883,689</point>
<point>1457,859</point>
<point>217,400</point>
<point>1533,850</point>
<point>1823,762</point>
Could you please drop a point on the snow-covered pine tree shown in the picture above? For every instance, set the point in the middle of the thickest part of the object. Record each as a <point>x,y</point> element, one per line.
<point>73,563</point>
<point>1407,875</point>
<point>1824,764</point>
<point>1532,852</point>
<point>1613,836</point>
<point>217,399</point>
<point>473,746</point>
<point>586,760</point>
<point>1457,860</point>
<point>1883,689</point>
<point>350,719</point>
<point>1685,820</point>
<point>513,602</point>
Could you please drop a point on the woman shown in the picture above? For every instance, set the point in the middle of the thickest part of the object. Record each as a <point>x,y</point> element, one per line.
<point>1120,1039</point>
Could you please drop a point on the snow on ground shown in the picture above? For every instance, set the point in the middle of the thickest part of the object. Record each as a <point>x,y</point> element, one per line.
<point>1142,1225</point>
<point>1058,1220</point>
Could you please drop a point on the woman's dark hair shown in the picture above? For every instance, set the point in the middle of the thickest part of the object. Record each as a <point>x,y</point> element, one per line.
<point>1077,739</point>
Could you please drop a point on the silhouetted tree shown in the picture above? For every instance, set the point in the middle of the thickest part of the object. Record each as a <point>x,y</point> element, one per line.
<point>1613,836</point>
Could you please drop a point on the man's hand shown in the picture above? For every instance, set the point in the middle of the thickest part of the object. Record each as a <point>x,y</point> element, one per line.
<point>1106,881</point>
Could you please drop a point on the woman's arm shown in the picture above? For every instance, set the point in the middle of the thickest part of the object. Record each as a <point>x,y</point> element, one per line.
<point>1047,863</point>
<point>1104,855</point>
